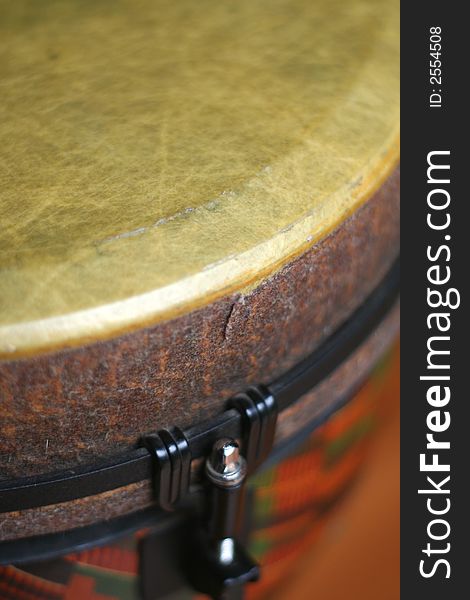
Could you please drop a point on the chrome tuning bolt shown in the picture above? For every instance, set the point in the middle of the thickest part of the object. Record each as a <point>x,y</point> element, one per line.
<point>226,467</point>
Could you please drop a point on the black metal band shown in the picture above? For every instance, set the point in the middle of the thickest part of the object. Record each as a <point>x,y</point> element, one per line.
<point>71,484</point>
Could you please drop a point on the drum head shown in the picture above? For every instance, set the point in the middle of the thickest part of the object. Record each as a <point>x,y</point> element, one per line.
<point>159,155</point>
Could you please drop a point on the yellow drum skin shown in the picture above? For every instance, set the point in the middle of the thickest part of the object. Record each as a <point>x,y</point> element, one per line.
<point>156,156</point>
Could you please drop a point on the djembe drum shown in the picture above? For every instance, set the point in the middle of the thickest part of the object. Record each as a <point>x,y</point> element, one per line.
<point>199,278</point>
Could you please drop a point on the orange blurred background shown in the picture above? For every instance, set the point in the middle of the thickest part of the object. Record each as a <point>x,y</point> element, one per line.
<point>358,555</point>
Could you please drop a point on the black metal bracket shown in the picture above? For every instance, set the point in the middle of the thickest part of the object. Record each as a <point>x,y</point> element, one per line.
<point>221,566</point>
<point>258,410</point>
<point>171,455</point>
<point>208,569</point>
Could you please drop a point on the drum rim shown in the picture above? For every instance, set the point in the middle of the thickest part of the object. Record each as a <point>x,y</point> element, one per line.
<point>71,484</point>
